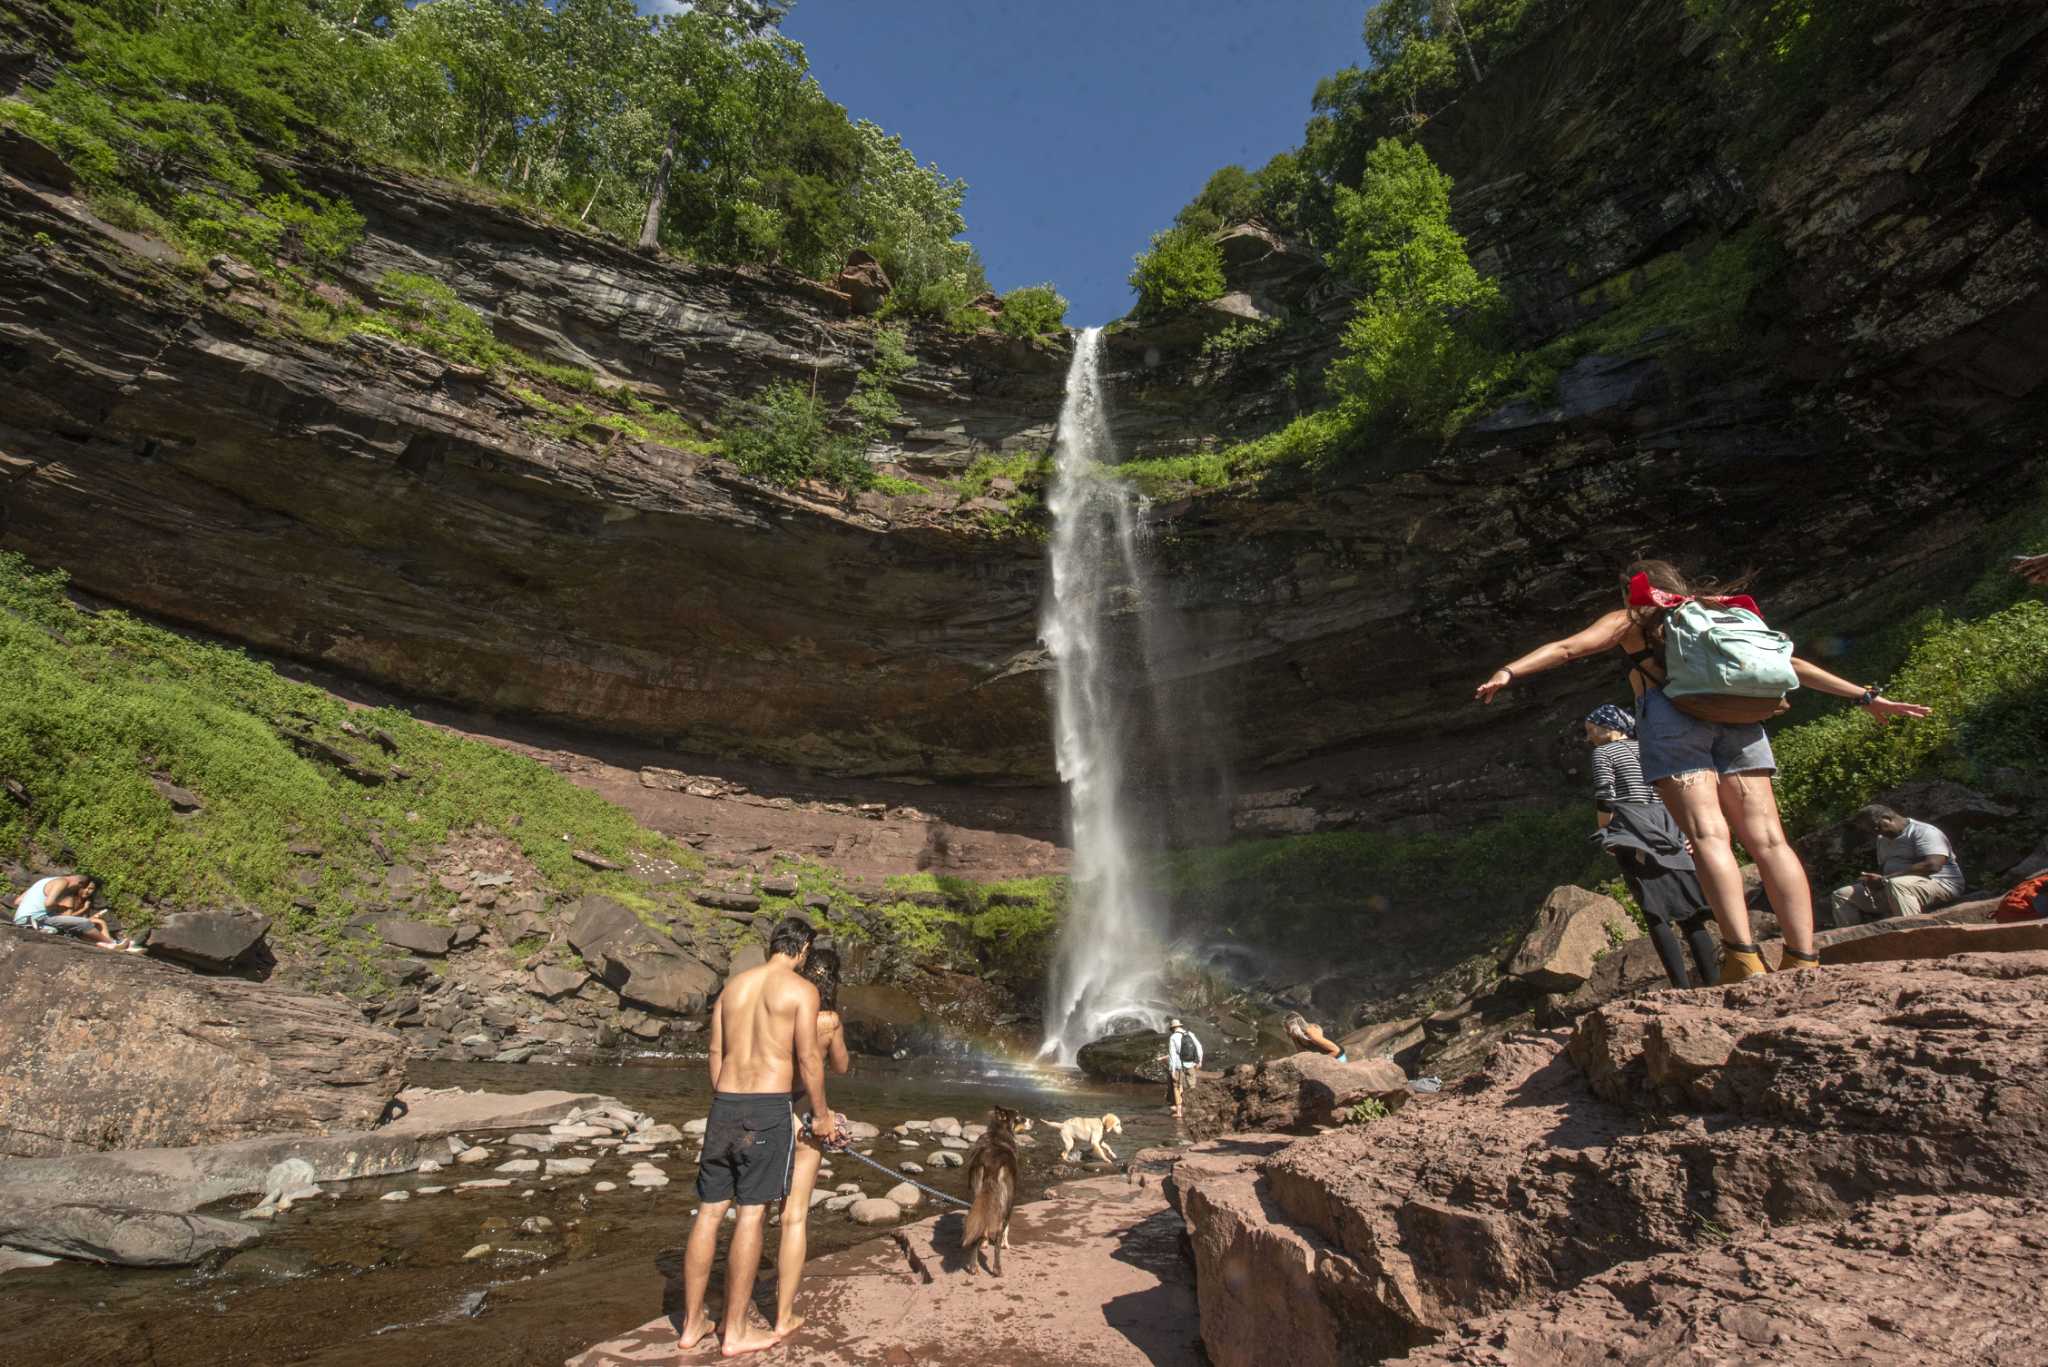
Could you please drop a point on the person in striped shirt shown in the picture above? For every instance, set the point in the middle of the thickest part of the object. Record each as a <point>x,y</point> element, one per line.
<point>1654,855</point>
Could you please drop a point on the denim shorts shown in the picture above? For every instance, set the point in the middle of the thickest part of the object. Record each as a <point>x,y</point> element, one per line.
<point>1670,743</point>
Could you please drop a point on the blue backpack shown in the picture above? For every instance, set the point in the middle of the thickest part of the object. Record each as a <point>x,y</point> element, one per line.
<point>1722,664</point>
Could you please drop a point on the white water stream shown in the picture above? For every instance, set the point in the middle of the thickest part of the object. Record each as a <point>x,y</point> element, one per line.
<point>1106,972</point>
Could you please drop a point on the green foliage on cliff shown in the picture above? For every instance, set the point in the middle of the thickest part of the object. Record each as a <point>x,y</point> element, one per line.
<point>97,702</point>
<point>783,435</point>
<point>1987,681</point>
<point>1422,340</point>
<point>1010,926</point>
<point>1183,268</point>
<point>1032,311</point>
<point>702,130</point>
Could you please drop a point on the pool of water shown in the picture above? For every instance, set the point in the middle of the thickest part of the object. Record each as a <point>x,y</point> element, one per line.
<point>360,1282</point>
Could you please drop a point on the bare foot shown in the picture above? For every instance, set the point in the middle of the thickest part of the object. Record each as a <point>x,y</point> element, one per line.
<point>788,1327</point>
<point>747,1339</point>
<point>694,1332</point>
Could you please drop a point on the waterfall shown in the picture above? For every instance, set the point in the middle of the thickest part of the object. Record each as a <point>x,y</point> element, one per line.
<point>1094,623</point>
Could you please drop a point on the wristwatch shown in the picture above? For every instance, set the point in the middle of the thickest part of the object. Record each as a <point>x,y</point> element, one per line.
<point>1870,695</point>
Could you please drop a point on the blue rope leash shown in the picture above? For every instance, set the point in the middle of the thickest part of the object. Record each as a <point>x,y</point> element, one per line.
<point>845,1146</point>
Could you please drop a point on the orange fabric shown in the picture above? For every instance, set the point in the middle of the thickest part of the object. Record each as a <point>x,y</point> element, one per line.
<point>2018,905</point>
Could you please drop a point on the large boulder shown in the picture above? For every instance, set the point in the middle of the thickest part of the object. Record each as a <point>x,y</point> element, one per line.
<point>214,940</point>
<point>122,1235</point>
<point>1298,1092</point>
<point>864,281</point>
<point>1574,930</point>
<point>668,980</point>
<point>1133,1056</point>
<point>107,1051</point>
<point>598,925</point>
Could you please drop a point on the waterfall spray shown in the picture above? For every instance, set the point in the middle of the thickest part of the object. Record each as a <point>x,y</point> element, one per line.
<point>1106,972</point>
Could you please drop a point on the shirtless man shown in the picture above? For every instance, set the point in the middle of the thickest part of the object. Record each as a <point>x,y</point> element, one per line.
<point>764,1035</point>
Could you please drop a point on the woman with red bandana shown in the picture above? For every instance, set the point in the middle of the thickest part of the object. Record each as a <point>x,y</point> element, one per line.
<point>1715,777</point>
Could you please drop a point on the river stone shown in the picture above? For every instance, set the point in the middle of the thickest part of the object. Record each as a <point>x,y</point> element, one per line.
<point>970,1133</point>
<point>478,1251</point>
<point>943,1158</point>
<point>904,1195</point>
<point>842,1202</point>
<point>920,1126</point>
<point>860,1132</point>
<point>570,1167</point>
<point>522,1165</point>
<point>848,1189</point>
<point>542,1142</point>
<point>875,1210</point>
<point>952,1143</point>
<point>428,1191</point>
<point>694,1127</point>
<point>819,1197</point>
<point>473,1155</point>
<point>117,1234</point>
<point>396,1196</point>
<point>907,1166</point>
<point>484,1184</point>
<point>658,1134</point>
<point>946,1125</point>
<point>429,1165</point>
<point>605,1186</point>
<point>417,937</point>
<point>208,939</point>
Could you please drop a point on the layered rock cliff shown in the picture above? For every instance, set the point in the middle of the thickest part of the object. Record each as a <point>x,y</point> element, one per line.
<point>371,508</point>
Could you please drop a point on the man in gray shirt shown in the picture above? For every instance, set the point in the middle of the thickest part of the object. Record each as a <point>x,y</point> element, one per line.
<point>1918,870</point>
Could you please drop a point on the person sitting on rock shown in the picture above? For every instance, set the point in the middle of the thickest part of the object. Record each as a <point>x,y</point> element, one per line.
<point>1655,858</point>
<point>63,906</point>
<point>1918,870</point>
<point>1307,1036</point>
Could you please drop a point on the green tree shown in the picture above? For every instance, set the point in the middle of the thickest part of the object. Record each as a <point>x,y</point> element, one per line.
<point>1032,311</point>
<point>1422,338</point>
<point>1184,268</point>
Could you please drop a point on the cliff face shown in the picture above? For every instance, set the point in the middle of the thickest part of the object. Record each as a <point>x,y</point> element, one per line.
<point>374,509</point>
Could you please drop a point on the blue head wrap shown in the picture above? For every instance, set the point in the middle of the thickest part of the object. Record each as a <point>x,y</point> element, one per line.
<point>1613,718</point>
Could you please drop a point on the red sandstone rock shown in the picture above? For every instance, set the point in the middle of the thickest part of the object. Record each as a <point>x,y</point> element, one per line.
<point>1825,1094</point>
<point>1292,1093</point>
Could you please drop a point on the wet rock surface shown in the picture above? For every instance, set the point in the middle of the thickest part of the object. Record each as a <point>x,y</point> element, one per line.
<point>1298,1092</point>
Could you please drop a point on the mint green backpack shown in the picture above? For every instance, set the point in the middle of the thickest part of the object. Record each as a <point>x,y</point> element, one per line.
<point>1722,664</point>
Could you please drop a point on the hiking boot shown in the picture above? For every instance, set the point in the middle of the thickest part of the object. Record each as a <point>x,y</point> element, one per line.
<point>1739,962</point>
<point>1792,961</point>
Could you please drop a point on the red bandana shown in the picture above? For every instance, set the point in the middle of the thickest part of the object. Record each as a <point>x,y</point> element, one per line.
<point>1642,594</point>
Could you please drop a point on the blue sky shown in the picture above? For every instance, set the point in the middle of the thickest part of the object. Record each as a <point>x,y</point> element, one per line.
<point>1080,128</point>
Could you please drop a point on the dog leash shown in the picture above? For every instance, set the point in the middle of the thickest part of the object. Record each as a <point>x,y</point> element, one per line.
<point>845,1146</point>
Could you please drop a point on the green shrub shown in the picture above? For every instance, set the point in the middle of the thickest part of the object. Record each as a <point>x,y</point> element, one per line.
<point>426,313</point>
<point>1239,337</point>
<point>783,435</point>
<point>1987,681</point>
<point>1183,268</point>
<point>1032,311</point>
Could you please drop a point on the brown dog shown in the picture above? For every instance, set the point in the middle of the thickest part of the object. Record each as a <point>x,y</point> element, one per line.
<point>992,1178</point>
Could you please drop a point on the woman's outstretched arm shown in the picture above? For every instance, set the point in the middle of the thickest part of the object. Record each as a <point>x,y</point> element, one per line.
<point>1876,704</point>
<point>1604,634</point>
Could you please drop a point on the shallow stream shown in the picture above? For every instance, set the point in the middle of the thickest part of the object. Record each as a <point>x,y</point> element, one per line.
<point>360,1282</point>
